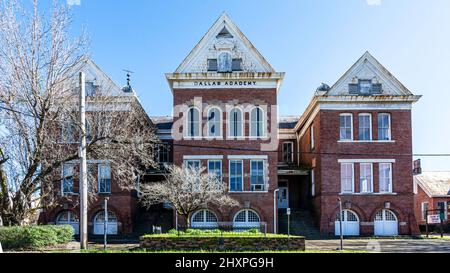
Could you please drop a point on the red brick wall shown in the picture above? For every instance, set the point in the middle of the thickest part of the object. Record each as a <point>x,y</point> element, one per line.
<point>262,203</point>
<point>328,169</point>
<point>422,197</point>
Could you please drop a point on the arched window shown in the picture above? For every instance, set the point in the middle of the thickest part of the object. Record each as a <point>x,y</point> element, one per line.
<point>235,123</point>
<point>193,122</point>
<point>214,122</point>
<point>69,218</point>
<point>204,219</point>
<point>225,62</point>
<point>257,122</point>
<point>246,219</point>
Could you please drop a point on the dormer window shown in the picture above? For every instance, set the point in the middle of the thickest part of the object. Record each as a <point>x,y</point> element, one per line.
<point>365,87</point>
<point>224,62</point>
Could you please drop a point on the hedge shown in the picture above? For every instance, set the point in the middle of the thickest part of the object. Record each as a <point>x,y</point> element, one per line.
<point>34,237</point>
<point>215,233</point>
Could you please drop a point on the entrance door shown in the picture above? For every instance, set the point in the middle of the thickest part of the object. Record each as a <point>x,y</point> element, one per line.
<point>350,224</point>
<point>283,198</point>
<point>386,223</point>
<point>99,224</point>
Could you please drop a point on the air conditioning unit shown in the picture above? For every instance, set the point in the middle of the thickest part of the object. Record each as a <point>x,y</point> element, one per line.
<point>258,187</point>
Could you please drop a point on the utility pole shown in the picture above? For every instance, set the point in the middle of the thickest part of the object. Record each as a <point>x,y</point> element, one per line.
<point>83,166</point>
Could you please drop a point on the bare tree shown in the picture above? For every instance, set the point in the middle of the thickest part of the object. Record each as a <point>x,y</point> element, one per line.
<point>39,124</point>
<point>187,190</point>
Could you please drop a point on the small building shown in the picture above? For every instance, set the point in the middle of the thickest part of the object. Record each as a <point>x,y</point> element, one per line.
<point>432,192</point>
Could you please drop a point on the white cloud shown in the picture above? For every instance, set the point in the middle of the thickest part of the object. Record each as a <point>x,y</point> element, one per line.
<point>373,2</point>
<point>73,2</point>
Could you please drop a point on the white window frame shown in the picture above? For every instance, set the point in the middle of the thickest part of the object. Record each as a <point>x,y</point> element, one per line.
<point>186,162</point>
<point>99,177</point>
<point>209,123</point>
<point>313,183</point>
<point>204,223</point>
<point>241,122</point>
<point>291,143</point>
<point>312,137</point>
<point>262,122</point>
<point>163,147</point>
<point>63,166</point>
<point>390,126</point>
<point>221,170</point>
<point>380,177</point>
<point>242,174</point>
<point>219,63</point>
<point>352,181</point>
<point>188,123</point>
<point>351,126</point>
<point>68,131</point>
<point>370,126</point>
<point>360,177</point>
<point>264,164</point>
<point>422,210</point>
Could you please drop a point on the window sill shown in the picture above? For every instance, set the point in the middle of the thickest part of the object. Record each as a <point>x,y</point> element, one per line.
<point>366,141</point>
<point>368,193</point>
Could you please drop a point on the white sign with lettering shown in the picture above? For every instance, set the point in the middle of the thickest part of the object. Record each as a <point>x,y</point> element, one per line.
<point>434,219</point>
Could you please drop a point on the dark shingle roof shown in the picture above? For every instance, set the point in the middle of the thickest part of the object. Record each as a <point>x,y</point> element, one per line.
<point>162,123</point>
<point>288,122</point>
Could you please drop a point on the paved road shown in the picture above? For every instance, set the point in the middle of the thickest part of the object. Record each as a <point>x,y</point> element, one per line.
<point>384,245</point>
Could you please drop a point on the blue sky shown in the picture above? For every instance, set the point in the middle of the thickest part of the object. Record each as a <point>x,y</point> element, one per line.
<point>313,41</point>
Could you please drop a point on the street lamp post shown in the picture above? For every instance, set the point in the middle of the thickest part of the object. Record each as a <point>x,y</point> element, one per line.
<point>340,225</point>
<point>105,224</point>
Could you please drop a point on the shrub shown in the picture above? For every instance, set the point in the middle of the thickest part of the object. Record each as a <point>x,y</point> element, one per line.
<point>33,237</point>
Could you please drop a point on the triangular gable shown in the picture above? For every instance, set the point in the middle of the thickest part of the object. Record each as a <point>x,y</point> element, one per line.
<point>224,31</point>
<point>368,68</point>
<point>94,74</point>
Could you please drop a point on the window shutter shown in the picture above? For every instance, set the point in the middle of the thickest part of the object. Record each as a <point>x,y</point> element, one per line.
<point>353,88</point>
<point>377,88</point>
<point>212,65</point>
<point>237,65</point>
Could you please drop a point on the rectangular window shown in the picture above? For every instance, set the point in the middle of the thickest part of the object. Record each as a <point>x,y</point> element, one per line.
<point>384,126</point>
<point>312,137</point>
<point>257,175</point>
<point>346,127</point>
<point>442,206</point>
<point>68,130</point>
<point>347,178</point>
<point>215,167</point>
<point>237,65</point>
<point>385,177</point>
<point>193,164</point>
<point>365,127</point>
<point>212,65</point>
<point>162,153</point>
<point>67,183</point>
<point>365,86</point>
<point>104,178</point>
<point>313,183</point>
<point>365,177</point>
<point>424,210</point>
<point>288,152</point>
<point>236,175</point>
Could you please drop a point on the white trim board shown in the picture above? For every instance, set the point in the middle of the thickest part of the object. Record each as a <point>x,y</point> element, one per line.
<point>197,157</point>
<point>264,157</point>
<point>366,160</point>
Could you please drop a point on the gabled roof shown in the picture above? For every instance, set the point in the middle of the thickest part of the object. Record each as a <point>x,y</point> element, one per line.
<point>287,122</point>
<point>224,27</point>
<point>367,67</point>
<point>435,184</point>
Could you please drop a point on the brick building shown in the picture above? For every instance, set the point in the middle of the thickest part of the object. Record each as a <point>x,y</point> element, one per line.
<point>353,142</point>
<point>432,193</point>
